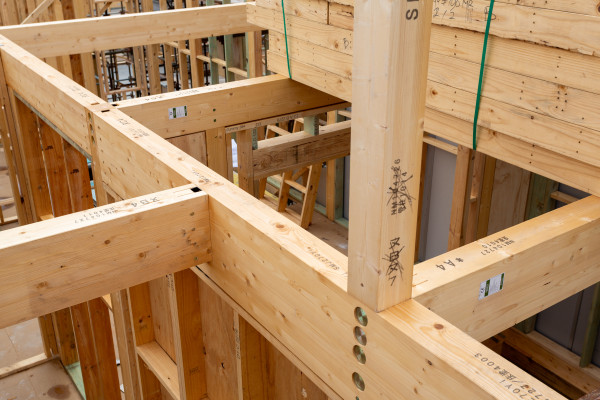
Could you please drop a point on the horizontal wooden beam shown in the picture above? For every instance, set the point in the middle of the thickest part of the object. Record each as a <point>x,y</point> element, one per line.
<point>51,39</point>
<point>536,263</point>
<point>53,95</point>
<point>67,260</point>
<point>301,149</point>
<point>224,105</point>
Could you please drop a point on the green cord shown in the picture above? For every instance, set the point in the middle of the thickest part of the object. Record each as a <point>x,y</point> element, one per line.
<point>485,40</point>
<point>287,52</point>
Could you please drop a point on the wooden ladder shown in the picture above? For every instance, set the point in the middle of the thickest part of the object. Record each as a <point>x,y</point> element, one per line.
<point>310,178</point>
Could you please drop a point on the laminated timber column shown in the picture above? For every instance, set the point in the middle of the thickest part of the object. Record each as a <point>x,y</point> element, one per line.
<point>389,83</point>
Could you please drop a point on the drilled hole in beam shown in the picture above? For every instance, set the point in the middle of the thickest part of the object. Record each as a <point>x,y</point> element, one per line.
<point>358,381</point>
<point>361,316</point>
<point>359,353</point>
<point>360,335</point>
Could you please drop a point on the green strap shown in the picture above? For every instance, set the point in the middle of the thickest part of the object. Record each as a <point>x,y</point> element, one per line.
<point>485,40</point>
<point>287,52</point>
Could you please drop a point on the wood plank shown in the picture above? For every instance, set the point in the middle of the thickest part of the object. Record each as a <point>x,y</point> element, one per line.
<point>193,144</point>
<point>312,10</point>
<point>128,227</point>
<point>549,277</point>
<point>554,65</point>
<point>312,76</point>
<point>105,349</point>
<point>126,345</point>
<point>187,331</point>
<point>463,160</point>
<point>161,365</point>
<point>571,140</point>
<point>306,52</point>
<point>532,158</point>
<point>216,150</point>
<point>245,161</point>
<point>555,100</point>
<point>219,338</point>
<point>317,33</point>
<point>94,34</point>
<point>224,104</point>
<point>23,365</point>
<point>84,334</point>
<point>301,149</point>
<point>162,319</point>
<point>31,152</point>
<point>509,198</point>
<point>554,357</point>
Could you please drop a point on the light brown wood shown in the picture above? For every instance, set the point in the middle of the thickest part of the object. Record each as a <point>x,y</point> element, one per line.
<point>187,331</point>
<point>463,160</point>
<point>156,360</point>
<point>387,121</point>
<point>549,277</point>
<point>31,292</point>
<point>225,104</point>
<point>301,149</point>
<point>23,365</point>
<point>92,34</point>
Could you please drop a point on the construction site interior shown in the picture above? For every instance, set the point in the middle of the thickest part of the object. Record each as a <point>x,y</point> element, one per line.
<point>299,199</point>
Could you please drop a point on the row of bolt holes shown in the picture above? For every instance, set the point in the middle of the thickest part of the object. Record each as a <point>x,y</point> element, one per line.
<point>359,353</point>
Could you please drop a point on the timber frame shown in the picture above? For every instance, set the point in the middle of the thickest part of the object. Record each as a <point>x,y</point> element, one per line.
<point>176,218</point>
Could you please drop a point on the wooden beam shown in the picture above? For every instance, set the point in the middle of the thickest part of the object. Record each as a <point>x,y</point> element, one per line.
<point>533,275</point>
<point>554,357</point>
<point>114,243</point>
<point>224,104</point>
<point>93,34</point>
<point>387,121</point>
<point>301,149</point>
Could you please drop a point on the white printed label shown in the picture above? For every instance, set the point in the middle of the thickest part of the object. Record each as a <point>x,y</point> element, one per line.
<point>491,286</point>
<point>178,112</point>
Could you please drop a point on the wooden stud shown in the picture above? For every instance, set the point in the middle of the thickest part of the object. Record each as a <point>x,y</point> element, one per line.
<point>463,160</point>
<point>187,332</point>
<point>34,163</point>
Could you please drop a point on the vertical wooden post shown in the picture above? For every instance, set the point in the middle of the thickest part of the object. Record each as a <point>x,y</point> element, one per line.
<point>388,84</point>
<point>212,49</point>
<point>216,150</point>
<point>461,177</point>
<point>335,179</point>
<point>8,131</point>
<point>31,153</point>
<point>187,335</point>
<point>245,167</point>
<point>254,54</point>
